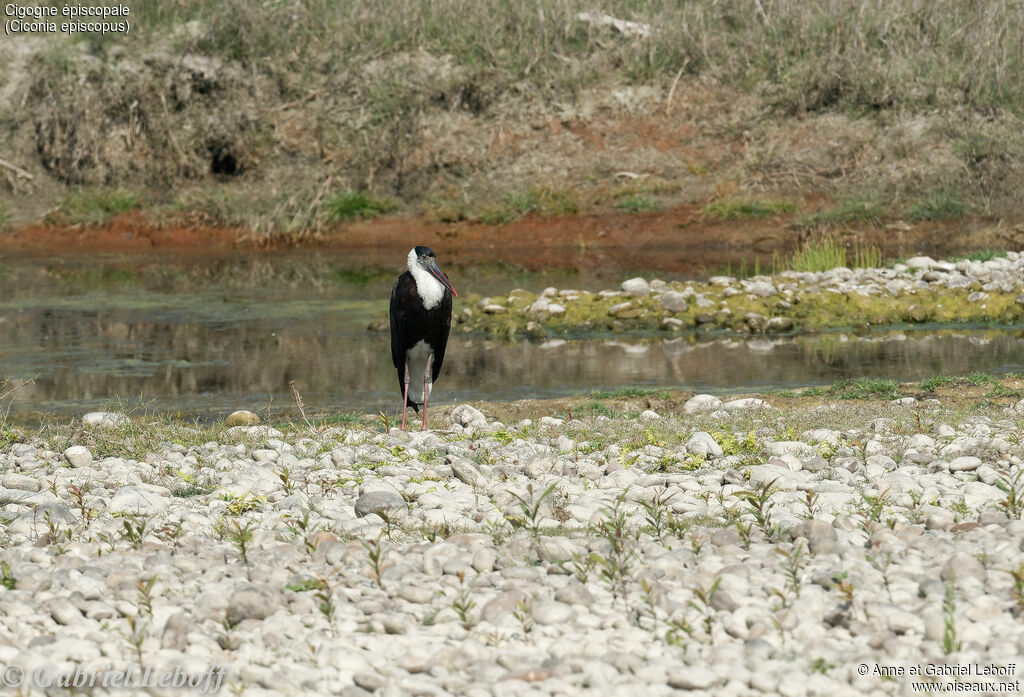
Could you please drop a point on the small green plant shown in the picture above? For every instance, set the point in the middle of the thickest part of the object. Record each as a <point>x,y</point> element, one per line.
<point>871,508</point>
<point>524,613</point>
<point>134,528</point>
<point>810,502</point>
<point>820,665</point>
<point>582,566</point>
<point>657,514</point>
<point>702,604</point>
<point>844,586</point>
<point>302,529</point>
<point>1013,486</point>
<point>136,636</point>
<point>464,604</point>
<point>615,567</point>
<point>792,562</point>
<point>146,595</point>
<point>353,205</point>
<point>761,505</point>
<point>325,601</point>
<point>375,558</point>
<point>882,564</point>
<point>530,507</point>
<point>1018,588</point>
<point>637,204</point>
<point>241,536</point>
<point>240,505</point>
<point>7,580</point>
<point>950,643</point>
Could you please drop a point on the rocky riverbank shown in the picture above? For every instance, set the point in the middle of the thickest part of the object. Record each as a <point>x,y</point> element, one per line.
<point>755,546</point>
<point>918,291</point>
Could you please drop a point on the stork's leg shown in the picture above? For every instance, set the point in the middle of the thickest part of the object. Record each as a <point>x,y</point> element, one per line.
<point>426,390</point>
<point>405,395</point>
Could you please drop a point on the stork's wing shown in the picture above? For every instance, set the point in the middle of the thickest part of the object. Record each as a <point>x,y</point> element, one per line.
<point>397,335</point>
<point>441,343</point>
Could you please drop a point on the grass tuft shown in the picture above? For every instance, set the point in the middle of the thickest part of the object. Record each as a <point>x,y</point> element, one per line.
<point>736,209</point>
<point>866,388</point>
<point>938,205</point>
<point>851,211</point>
<point>94,206</point>
<point>355,205</point>
<point>637,204</point>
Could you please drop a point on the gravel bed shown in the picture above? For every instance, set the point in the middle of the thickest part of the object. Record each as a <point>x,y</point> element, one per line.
<point>732,548</point>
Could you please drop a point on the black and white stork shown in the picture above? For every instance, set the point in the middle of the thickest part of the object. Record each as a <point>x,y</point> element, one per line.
<point>421,317</point>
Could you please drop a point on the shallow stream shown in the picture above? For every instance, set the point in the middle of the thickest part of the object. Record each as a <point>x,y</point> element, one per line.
<point>203,337</point>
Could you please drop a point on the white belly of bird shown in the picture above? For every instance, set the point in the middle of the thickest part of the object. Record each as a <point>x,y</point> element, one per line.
<point>416,359</point>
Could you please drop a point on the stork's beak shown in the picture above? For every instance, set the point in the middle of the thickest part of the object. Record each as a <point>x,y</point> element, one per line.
<point>437,273</point>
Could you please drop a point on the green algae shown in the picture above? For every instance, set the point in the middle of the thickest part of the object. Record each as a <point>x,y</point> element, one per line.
<point>810,311</point>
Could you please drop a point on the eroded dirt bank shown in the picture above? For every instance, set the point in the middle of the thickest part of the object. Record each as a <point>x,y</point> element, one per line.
<point>681,240</point>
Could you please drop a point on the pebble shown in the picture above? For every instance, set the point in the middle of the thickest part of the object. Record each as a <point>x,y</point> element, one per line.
<point>379,502</point>
<point>78,456</point>
<point>104,419</point>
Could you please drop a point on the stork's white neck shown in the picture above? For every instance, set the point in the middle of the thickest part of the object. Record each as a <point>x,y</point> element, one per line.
<point>429,288</point>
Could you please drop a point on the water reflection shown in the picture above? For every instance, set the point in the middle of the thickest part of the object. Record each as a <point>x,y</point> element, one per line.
<point>204,341</point>
<point>207,368</point>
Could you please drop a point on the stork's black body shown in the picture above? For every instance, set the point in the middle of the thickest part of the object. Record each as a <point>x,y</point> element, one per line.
<point>421,319</point>
<point>412,323</point>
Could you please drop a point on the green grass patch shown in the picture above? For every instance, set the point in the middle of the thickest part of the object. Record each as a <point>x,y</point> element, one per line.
<point>1003,391</point>
<point>541,200</point>
<point>938,381</point>
<point>978,379</point>
<point>94,206</point>
<point>355,205</point>
<point>852,211</point>
<point>818,255</point>
<point>983,255</point>
<point>866,388</point>
<point>631,392</point>
<point>637,204</point>
<point>4,216</point>
<point>825,253</point>
<point>190,490</point>
<point>737,209</point>
<point>938,205</point>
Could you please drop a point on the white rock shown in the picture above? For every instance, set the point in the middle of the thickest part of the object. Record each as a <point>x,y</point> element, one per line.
<point>104,419</point>
<point>130,499</point>
<point>78,456</point>
<point>920,262</point>
<point>638,287</point>
<point>748,403</point>
<point>965,463</point>
<point>702,443</point>
<point>703,402</point>
<point>466,415</point>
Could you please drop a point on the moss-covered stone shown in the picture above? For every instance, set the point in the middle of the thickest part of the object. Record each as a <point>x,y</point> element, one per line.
<point>803,310</point>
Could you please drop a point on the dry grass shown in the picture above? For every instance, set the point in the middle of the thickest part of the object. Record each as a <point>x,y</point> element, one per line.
<point>305,98</point>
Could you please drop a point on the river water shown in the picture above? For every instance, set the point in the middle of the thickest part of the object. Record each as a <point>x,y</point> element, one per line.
<point>203,337</point>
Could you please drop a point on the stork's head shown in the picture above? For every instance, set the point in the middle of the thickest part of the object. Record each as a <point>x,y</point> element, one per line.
<point>423,259</point>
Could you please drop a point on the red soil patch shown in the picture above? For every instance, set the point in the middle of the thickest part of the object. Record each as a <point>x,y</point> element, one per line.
<point>130,232</point>
<point>678,241</point>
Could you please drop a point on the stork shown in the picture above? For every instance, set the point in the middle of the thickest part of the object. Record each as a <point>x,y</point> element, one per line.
<point>421,317</point>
